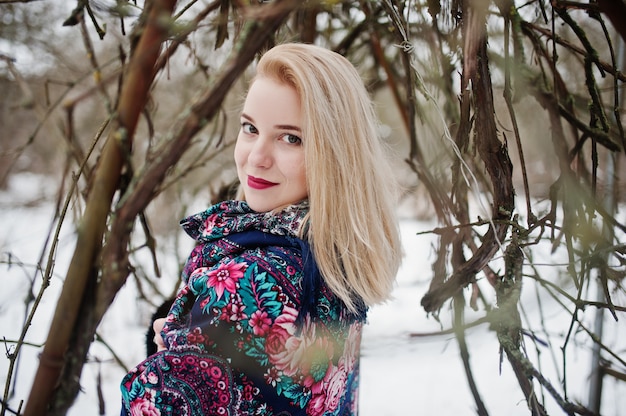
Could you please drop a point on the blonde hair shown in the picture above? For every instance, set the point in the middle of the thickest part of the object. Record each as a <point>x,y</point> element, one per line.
<point>352,225</point>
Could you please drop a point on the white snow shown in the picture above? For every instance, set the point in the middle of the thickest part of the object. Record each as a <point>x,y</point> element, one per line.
<point>401,375</point>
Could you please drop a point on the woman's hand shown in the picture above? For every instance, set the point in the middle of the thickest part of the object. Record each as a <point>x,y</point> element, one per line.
<point>157,325</point>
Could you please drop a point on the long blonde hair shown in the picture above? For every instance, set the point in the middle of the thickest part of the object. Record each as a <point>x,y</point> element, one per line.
<point>352,227</point>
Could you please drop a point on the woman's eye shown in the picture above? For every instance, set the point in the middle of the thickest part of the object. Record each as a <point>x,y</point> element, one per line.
<point>248,128</point>
<point>292,139</point>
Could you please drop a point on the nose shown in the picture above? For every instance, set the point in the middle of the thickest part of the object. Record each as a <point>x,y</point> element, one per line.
<point>260,155</point>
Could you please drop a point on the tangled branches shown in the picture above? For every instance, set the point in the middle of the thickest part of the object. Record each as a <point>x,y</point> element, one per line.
<point>511,116</point>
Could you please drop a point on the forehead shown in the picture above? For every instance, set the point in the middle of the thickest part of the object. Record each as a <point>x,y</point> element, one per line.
<point>271,98</point>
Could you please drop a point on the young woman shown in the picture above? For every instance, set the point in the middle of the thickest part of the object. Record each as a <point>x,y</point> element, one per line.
<point>270,317</point>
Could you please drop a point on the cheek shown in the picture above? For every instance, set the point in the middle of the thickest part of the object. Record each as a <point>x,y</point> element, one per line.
<point>299,171</point>
<point>239,154</point>
<point>302,171</point>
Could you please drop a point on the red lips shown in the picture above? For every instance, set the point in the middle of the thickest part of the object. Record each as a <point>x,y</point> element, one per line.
<point>258,183</point>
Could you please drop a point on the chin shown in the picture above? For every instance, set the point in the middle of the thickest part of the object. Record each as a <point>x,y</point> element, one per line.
<point>260,207</point>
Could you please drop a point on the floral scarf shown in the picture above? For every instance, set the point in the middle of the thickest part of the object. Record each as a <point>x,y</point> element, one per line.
<point>254,330</point>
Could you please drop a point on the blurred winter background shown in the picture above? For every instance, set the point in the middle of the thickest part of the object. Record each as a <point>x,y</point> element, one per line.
<point>59,84</point>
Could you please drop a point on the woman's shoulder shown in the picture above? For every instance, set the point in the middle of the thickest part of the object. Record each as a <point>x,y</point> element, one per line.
<point>277,258</point>
<point>291,264</point>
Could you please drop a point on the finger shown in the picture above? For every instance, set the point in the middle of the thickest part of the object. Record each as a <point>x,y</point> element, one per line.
<point>158,324</point>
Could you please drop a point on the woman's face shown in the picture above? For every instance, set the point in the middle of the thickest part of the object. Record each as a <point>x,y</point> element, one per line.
<point>269,153</point>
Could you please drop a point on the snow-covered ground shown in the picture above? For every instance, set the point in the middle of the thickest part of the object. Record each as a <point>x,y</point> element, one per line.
<point>401,375</point>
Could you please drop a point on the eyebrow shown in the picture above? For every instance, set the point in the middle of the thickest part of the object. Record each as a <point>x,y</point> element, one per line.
<point>278,126</point>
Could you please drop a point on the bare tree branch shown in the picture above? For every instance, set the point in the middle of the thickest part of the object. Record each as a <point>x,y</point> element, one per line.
<point>53,357</point>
